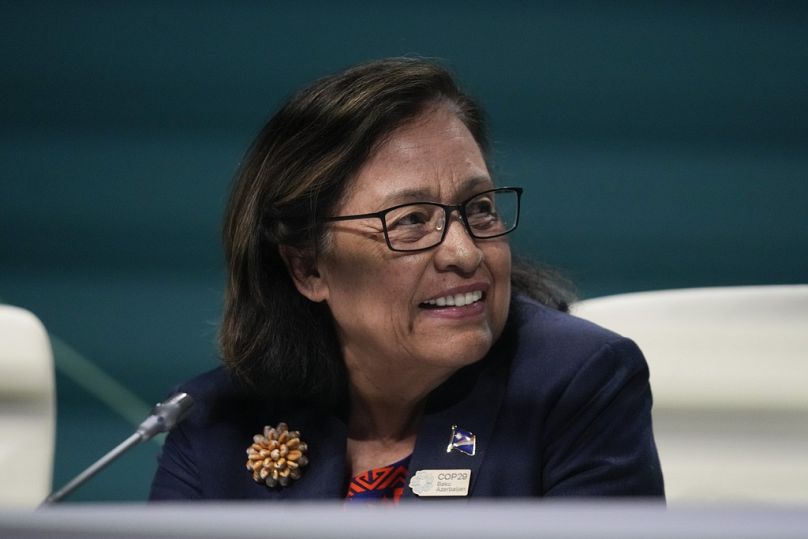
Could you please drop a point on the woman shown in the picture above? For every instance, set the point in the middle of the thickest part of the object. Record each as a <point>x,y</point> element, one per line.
<point>374,317</point>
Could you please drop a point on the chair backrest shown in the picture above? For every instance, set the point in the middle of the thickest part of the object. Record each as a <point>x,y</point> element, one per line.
<point>27,409</point>
<point>729,373</point>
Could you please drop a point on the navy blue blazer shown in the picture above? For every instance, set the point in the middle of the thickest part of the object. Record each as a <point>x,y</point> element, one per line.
<point>559,407</point>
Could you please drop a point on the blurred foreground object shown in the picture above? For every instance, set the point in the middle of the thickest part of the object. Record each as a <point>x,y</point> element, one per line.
<point>550,519</point>
<point>27,409</point>
<point>729,374</point>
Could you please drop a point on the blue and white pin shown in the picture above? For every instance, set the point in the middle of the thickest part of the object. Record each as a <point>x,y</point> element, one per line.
<point>463,441</point>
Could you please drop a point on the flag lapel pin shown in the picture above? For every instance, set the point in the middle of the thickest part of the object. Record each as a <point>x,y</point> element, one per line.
<point>463,441</point>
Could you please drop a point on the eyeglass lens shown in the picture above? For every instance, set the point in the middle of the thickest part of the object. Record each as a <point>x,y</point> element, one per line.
<point>420,226</point>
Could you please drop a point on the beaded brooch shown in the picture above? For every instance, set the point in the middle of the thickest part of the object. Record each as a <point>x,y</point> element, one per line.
<point>277,456</point>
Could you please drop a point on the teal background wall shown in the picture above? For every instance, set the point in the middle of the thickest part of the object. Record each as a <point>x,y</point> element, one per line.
<point>661,145</point>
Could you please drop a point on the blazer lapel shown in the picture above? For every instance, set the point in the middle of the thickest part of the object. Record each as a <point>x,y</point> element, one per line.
<point>470,400</point>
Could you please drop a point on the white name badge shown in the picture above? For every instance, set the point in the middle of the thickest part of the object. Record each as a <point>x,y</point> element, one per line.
<point>441,482</point>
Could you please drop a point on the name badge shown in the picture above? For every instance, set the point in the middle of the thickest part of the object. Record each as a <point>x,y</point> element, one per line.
<point>441,482</point>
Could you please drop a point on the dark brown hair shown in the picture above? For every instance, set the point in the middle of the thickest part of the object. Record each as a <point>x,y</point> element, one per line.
<point>272,338</point>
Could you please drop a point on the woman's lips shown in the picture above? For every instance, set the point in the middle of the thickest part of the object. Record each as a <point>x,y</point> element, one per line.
<point>454,300</point>
<point>457,296</point>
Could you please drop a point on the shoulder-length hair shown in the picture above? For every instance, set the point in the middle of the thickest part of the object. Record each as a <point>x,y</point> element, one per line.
<point>272,338</point>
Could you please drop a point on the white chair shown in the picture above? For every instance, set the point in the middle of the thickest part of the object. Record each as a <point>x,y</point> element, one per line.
<point>27,409</point>
<point>729,375</point>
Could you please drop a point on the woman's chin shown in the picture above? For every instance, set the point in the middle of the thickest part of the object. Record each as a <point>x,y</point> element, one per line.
<point>458,350</point>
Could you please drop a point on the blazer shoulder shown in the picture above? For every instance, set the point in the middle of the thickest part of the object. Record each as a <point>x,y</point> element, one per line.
<point>555,345</point>
<point>212,382</point>
<point>536,322</point>
<point>217,396</point>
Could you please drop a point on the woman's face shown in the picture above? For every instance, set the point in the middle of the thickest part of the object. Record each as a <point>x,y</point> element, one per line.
<point>383,302</point>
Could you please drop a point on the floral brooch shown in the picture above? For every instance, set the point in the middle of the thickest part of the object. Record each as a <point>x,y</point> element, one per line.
<point>277,456</point>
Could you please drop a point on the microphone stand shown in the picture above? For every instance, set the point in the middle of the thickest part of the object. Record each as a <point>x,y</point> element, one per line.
<point>165,416</point>
<point>96,467</point>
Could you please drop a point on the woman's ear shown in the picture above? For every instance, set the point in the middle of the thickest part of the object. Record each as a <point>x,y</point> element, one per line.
<point>303,268</point>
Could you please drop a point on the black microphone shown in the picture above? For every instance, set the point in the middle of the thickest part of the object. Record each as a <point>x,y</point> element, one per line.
<point>165,416</point>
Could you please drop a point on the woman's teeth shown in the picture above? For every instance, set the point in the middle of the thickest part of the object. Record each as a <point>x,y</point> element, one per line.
<point>457,300</point>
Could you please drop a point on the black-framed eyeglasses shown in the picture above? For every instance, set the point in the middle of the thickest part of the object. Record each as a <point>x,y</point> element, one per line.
<point>417,226</point>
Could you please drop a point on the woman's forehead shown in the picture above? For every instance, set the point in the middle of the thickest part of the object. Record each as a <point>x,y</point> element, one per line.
<point>434,158</point>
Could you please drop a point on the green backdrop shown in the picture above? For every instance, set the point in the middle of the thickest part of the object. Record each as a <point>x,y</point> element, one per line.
<point>661,145</point>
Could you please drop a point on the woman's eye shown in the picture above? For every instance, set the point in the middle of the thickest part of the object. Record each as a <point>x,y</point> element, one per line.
<point>412,218</point>
<point>480,207</point>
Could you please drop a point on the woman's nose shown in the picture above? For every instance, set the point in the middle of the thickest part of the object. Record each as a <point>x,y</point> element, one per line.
<point>458,251</point>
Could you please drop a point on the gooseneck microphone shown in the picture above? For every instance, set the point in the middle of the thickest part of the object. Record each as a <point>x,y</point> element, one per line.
<point>164,417</point>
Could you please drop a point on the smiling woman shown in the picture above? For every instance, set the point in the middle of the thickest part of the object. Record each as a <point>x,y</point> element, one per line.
<point>373,308</point>
<point>382,326</point>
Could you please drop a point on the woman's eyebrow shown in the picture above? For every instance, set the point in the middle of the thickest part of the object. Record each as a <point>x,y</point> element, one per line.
<point>406,195</point>
<point>474,184</point>
<point>467,186</point>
